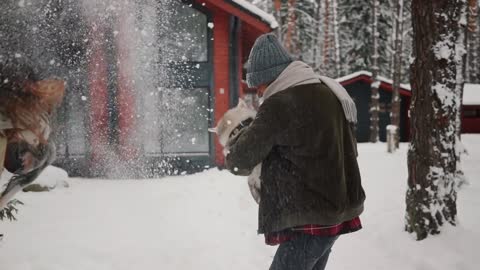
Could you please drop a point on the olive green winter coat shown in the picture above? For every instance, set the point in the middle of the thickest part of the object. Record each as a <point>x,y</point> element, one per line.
<point>308,152</point>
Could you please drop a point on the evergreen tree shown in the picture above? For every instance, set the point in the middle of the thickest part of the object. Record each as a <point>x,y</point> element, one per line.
<point>356,38</point>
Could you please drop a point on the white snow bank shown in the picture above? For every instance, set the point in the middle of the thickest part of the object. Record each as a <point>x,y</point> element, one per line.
<point>208,221</point>
<point>51,177</point>
<point>471,92</point>
<point>268,18</point>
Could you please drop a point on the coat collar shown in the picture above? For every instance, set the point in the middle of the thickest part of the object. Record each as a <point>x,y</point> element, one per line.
<point>295,74</point>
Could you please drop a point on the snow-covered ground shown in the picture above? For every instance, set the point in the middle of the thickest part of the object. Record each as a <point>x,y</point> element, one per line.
<point>208,221</point>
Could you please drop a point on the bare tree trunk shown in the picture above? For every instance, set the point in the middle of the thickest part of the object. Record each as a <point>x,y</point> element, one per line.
<point>326,34</point>
<point>472,42</point>
<point>392,44</point>
<point>437,77</point>
<point>335,38</point>
<point>476,77</point>
<point>397,72</point>
<point>318,30</point>
<point>374,103</point>
<point>290,46</point>
<point>472,15</point>
<point>278,6</point>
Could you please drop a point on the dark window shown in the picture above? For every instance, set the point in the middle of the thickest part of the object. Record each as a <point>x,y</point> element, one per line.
<point>471,113</point>
<point>176,122</point>
<point>184,32</point>
<point>186,114</point>
<point>175,109</point>
<point>75,125</point>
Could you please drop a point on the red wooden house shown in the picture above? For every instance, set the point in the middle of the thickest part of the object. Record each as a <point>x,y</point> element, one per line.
<point>471,108</point>
<point>155,81</point>
<point>358,86</point>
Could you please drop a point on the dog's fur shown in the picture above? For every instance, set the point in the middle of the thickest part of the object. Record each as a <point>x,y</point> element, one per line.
<point>226,125</point>
<point>26,106</point>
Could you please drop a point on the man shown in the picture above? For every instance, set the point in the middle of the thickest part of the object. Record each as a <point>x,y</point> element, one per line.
<point>311,190</point>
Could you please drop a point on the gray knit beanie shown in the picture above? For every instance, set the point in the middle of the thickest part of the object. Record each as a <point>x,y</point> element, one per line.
<point>268,58</point>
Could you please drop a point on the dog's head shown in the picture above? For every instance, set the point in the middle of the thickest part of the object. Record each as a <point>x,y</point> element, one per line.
<point>231,120</point>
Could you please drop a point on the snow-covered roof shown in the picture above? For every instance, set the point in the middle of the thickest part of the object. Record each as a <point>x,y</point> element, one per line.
<point>471,92</point>
<point>266,17</point>
<point>369,74</point>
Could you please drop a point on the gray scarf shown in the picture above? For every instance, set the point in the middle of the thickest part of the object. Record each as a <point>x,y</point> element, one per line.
<point>299,73</point>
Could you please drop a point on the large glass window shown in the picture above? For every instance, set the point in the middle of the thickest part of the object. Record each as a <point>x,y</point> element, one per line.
<point>184,32</point>
<point>76,126</point>
<point>186,120</point>
<point>175,101</point>
<point>176,121</point>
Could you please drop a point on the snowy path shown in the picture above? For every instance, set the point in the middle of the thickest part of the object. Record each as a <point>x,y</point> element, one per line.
<point>208,221</point>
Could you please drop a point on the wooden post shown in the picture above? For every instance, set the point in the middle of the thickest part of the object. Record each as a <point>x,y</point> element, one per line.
<point>391,131</point>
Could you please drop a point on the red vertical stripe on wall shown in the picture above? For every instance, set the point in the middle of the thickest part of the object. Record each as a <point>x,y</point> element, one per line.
<point>97,76</point>
<point>221,72</point>
<point>125,87</point>
<point>240,62</point>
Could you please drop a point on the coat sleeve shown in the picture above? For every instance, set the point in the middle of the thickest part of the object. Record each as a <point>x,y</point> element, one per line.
<point>253,145</point>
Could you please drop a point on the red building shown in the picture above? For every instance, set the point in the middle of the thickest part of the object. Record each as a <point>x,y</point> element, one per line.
<point>471,108</point>
<point>358,86</point>
<point>155,81</point>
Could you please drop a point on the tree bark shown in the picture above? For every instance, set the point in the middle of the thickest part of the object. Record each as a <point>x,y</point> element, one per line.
<point>289,44</point>
<point>473,42</point>
<point>318,30</point>
<point>472,15</point>
<point>277,5</point>
<point>374,99</point>
<point>397,72</point>
<point>335,38</point>
<point>326,34</point>
<point>437,77</point>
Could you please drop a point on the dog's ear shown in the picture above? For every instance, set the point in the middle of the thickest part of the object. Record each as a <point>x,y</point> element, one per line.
<point>213,130</point>
<point>242,103</point>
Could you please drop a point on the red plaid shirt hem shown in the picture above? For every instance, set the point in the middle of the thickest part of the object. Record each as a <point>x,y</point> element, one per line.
<point>277,238</point>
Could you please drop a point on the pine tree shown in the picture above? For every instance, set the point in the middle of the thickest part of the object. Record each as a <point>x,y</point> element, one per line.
<point>298,27</point>
<point>355,20</point>
<point>354,28</point>
<point>437,77</point>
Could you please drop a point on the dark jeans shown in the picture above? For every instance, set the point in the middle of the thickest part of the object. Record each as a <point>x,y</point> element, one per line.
<point>306,252</point>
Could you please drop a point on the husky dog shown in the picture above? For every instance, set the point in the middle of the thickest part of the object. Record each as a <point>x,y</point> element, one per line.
<point>229,126</point>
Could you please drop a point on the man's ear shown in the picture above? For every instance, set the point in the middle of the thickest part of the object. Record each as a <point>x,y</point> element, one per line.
<point>242,103</point>
<point>213,130</point>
